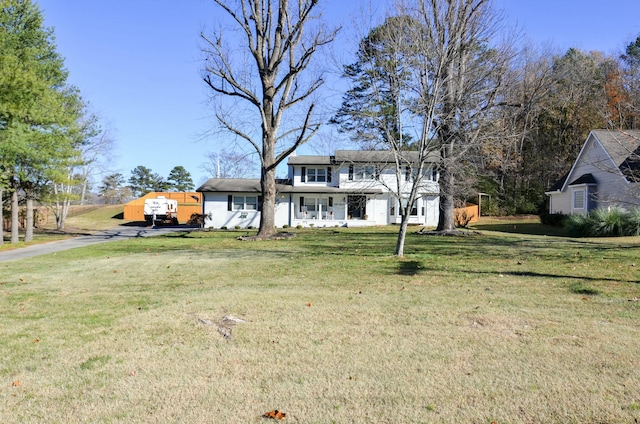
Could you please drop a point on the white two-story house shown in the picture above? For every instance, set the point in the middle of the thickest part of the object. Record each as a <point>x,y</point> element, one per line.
<point>351,188</point>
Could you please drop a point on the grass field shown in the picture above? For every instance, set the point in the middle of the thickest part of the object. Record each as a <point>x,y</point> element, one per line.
<point>500,327</point>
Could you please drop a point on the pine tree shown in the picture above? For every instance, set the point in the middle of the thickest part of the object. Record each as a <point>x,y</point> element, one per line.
<point>180,179</point>
<point>38,110</point>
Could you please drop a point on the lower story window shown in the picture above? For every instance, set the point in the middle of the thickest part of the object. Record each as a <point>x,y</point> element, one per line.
<point>413,211</point>
<point>316,204</point>
<point>245,203</point>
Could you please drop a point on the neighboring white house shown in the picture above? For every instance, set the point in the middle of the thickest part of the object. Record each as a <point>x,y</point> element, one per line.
<point>352,188</point>
<point>604,174</point>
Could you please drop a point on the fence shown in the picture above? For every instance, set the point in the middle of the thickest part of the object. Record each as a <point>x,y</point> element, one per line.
<point>466,215</point>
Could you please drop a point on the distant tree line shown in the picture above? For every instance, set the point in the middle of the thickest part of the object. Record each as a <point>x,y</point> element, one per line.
<point>561,98</point>
<point>115,189</point>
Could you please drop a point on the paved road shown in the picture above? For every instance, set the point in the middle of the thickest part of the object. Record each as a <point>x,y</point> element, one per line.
<point>119,233</point>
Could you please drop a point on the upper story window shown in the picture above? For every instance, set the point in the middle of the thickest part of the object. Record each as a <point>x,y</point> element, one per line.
<point>315,175</point>
<point>428,174</point>
<point>362,173</point>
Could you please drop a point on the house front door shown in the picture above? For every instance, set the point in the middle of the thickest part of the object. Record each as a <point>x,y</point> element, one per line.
<point>357,206</point>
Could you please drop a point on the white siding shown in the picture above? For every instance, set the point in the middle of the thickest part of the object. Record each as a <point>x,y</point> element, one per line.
<point>560,202</point>
<point>218,215</point>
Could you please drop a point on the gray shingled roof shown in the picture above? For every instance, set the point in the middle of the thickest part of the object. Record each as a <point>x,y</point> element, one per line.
<point>235,185</point>
<point>309,160</point>
<point>379,156</point>
<point>358,156</point>
<point>620,144</point>
<point>241,185</point>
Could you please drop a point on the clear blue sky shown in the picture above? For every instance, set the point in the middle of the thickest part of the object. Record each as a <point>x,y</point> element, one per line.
<point>138,63</point>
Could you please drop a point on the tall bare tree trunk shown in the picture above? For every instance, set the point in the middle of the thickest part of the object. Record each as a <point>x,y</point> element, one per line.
<point>83,192</point>
<point>268,186</point>
<point>446,220</point>
<point>63,194</point>
<point>402,234</point>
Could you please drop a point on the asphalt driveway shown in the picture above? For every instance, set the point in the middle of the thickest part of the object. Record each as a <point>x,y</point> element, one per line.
<point>118,233</point>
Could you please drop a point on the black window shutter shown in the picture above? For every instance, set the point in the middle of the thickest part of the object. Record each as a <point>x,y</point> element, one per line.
<point>407,172</point>
<point>259,203</point>
<point>328,174</point>
<point>330,201</point>
<point>377,171</point>
<point>350,172</point>
<point>301,203</point>
<point>229,202</point>
<point>303,176</point>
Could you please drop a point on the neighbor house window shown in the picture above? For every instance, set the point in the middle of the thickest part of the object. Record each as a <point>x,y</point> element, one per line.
<point>578,199</point>
<point>245,203</point>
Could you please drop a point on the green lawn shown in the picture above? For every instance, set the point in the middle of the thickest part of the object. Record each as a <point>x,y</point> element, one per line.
<point>500,327</point>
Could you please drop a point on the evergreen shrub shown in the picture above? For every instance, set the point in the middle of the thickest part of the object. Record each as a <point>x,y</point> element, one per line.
<point>613,222</point>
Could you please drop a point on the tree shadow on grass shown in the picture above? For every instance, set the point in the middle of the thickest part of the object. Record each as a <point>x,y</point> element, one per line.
<point>413,268</point>
<point>409,267</point>
<point>530,228</point>
<point>572,277</point>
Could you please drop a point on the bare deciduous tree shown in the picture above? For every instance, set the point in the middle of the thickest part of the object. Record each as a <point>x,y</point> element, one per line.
<point>460,77</point>
<point>433,68</point>
<point>94,149</point>
<point>506,160</point>
<point>382,102</point>
<point>270,75</point>
<point>229,164</point>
